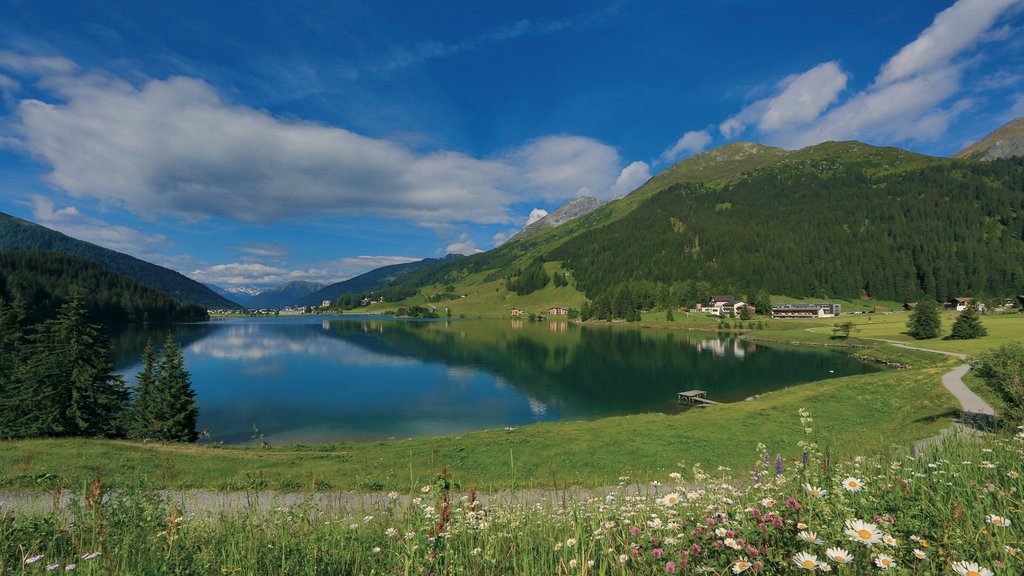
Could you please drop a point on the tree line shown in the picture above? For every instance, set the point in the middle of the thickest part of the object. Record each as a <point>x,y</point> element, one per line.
<point>45,280</point>
<point>57,379</point>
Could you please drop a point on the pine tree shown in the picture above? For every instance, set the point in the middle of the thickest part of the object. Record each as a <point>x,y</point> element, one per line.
<point>173,413</point>
<point>924,321</point>
<point>968,325</point>
<point>669,316</point>
<point>67,384</point>
<point>145,396</point>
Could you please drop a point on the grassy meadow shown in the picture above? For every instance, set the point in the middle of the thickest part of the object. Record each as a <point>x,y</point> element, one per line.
<point>956,508</point>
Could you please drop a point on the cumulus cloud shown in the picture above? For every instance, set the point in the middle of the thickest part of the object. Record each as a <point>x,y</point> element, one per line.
<point>74,223</point>
<point>261,274</point>
<point>915,96</point>
<point>954,30</point>
<point>690,143</point>
<point>175,146</point>
<point>535,215</point>
<point>560,167</point>
<point>464,245</point>
<point>800,99</point>
<point>631,177</point>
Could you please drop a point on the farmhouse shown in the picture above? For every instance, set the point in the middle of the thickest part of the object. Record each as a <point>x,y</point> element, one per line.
<point>517,311</point>
<point>959,304</point>
<point>817,310</point>
<point>557,311</point>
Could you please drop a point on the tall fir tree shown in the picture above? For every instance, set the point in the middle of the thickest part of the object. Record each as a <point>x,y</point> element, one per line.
<point>172,413</point>
<point>924,321</point>
<point>142,426</point>
<point>968,325</point>
<point>67,385</point>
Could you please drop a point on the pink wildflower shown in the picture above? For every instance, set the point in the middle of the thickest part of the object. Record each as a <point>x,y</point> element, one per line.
<point>670,568</point>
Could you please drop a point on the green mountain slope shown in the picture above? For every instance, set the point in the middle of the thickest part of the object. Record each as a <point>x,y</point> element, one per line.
<point>836,219</point>
<point>946,229</point>
<point>45,280</point>
<point>18,234</point>
<point>369,281</point>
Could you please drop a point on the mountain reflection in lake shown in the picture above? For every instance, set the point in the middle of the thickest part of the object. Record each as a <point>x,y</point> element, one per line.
<point>308,379</point>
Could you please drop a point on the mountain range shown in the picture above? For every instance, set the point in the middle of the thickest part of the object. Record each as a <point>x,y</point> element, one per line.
<point>22,235</point>
<point>837,219</point>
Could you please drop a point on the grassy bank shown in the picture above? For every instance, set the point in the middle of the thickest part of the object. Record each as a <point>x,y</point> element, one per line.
<point>883,409</point>
<point>954,508</point>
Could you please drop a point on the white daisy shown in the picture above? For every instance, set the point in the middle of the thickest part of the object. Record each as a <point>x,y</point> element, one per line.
<point>863,532</point>
<point>965,568</point>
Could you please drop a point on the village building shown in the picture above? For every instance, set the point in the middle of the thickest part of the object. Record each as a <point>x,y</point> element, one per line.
<point>558,311</point>
<point>958,304</point>
<point>517,311</point>
<point>810,310</point>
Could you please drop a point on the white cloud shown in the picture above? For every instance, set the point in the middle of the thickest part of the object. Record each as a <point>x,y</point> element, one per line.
<point>916,95</point>
<point>561,167</point>
<point>35,65</point>
<point>264,250</point>
<point>690,143</point>
<point>72,222</point>
<point>800,99</point>
<point>535,215</point>
<point>174,146</point>
<point>954,30</point>
<point>260,274</point>
<point>465,245</point>
<point>631,177</point>
<point>804,97</point>
<point>502,237</point>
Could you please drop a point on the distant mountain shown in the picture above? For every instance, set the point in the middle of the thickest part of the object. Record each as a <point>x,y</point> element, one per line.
<point>239,294</point>
<point>368,281</point>
<point>18,234</point>
<point>1005,142</point>
<point>569,211</point>
<point>284,295</point>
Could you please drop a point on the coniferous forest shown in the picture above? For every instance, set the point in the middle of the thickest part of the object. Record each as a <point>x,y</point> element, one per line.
<point>45,280</point>
<point>946,230</point>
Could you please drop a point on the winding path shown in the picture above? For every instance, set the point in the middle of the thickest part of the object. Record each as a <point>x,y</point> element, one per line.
<point>953,380</point>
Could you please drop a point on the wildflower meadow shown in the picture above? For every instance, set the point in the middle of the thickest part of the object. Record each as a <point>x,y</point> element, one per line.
<point>953,509</point>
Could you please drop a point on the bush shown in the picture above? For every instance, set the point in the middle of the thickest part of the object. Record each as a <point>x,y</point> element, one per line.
<point>1003,370</point>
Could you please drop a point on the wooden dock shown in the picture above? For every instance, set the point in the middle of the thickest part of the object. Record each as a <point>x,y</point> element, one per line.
<point>696,398</point>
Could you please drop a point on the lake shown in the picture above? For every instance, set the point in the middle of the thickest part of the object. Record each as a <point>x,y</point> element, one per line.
<point>320,378</point>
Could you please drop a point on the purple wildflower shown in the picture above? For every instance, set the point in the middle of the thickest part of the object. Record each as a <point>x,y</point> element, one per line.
<point>778,464</point>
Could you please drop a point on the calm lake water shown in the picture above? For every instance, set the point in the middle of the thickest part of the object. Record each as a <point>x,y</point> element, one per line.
<point>312,379</point>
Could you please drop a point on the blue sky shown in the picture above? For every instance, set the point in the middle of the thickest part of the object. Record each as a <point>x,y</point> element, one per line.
<point>248,144</point>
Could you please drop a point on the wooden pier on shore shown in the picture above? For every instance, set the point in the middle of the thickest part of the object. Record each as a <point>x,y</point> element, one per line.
<point>696,398</point>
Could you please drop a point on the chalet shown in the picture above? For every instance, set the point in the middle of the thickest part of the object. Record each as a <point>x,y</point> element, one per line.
<point>517,311</point>
<point>816,310</point>
<point>325,303</point>
<point>958,304</point>
<point>557,311</point>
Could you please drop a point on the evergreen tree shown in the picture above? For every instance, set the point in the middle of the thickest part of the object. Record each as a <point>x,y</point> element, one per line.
<point>924,321</point>
<point>13,349</point>
<point>968,325</point>
<point>173,413</point>
<point>145,396</point>
<point>67,385</point>
<point>669,316</point>
<point>762,302</point>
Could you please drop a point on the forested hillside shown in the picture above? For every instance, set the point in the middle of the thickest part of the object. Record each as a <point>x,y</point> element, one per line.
<point>44,281</point>
<point>18,234</point>
<point>947,229</point>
